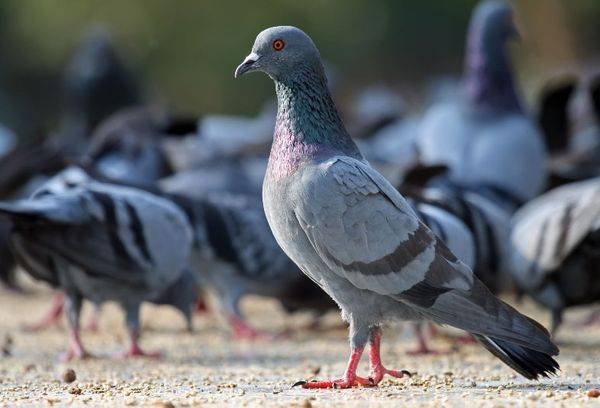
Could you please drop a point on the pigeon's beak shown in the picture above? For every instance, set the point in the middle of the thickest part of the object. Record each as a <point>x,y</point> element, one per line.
<point>247,65</point>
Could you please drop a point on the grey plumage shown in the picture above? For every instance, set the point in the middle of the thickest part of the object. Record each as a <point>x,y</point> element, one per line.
<point>239,176</point>
<point>488,226</point>
<point>484,136</point>
<point>235,254</point>
<point>101,242</point>
<point>352,233</point>
<point>128,146</point>
<point>556,247</point>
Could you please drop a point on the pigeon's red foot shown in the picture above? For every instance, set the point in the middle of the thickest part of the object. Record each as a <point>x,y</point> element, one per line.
<point>74,351</point>
<point>342,383</point>
<point>135,351</point>
<point>378,372</point>
<point>243,331</point>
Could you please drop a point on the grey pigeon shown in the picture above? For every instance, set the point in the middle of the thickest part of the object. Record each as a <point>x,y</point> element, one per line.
<point>556,247</point>
<point>353,234</point>
<point>485,138</point>
<point>128,146</point>
<point>222,136</point>
<point>235,254</point>
<point>243,175</point>
<point>101,242</point>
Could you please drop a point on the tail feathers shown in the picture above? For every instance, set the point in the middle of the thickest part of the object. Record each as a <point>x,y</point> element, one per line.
<point>531,364</point>
<point>48,209</point>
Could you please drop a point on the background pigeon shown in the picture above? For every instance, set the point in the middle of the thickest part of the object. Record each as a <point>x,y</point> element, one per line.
<point>101,242</point>
<point>235,254</point>
<point>489,144</point>
<point>351,231</point>
<point>556,247</point>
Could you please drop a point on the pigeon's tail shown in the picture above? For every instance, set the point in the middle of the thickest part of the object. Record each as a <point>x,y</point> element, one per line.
<point>48,209</point>
<point>519,341</point>
<point>14,211</point>
<point>531,364</point>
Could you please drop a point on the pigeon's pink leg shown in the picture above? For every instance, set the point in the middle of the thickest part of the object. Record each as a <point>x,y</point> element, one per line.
<point>93,323</point>
<point>243,331</point>
<point>422,347</point>
<point>465,339</point>
<point>135,350</point>
<point>51,317</point>
<point>378,371</point>
<point>75,348</point>
<point>349,380</point>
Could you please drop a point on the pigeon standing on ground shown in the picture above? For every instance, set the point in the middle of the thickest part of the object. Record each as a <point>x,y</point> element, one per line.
<point>556,247</point>
<point>350,230</point>
<point>487,141</point>
<point>235,254</point>
<point>101,242</point>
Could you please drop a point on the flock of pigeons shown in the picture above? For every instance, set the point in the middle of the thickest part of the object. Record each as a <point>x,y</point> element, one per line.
<point>484,198</point>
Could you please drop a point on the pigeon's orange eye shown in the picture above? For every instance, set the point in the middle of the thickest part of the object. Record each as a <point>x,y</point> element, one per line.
<point>278,45</point>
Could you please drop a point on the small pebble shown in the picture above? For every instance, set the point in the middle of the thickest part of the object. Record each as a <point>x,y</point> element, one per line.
<point>69,375</point>
<point>593,393</point>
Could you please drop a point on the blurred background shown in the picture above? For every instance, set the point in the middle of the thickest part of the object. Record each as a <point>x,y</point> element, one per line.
<point>186,51</point>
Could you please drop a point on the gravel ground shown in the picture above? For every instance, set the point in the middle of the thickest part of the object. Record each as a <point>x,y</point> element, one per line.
<point>208,368</point>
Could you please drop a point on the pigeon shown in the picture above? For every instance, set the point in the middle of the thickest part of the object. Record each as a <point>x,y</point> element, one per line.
<point>485,138</point>
<point>216,137</point>
<point>103,242</point>
<point>235,254</point>
<point>570,118</point>
<point>128,146</point>
<point>243,175</point>
<point>556,247</point>
<point>352,233</point>
<point>374,108</point>
<point>458,238</point>
<point>96,83</point>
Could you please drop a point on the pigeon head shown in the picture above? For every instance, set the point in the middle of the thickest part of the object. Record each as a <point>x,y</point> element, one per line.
<point>488,70</point>
<point>493,20</point>
<point>282,53</point>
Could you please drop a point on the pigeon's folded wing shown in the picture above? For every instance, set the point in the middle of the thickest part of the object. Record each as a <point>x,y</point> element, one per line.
<point>546,230</point>
<point>365,232</point>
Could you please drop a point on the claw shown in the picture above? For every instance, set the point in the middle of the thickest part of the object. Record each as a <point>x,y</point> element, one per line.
<point>297,383</point>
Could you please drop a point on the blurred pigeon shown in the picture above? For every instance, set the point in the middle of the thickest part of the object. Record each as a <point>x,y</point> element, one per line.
<point>240,176</point>
<point>128,146</point>
<point>235,254</point>
<point>485,138</point>
<point>97,83</point>
<point>350,230</point>
<point>570,118</point>
<point>556,247</point>
<point>374,108</point>
<point>457,237</point>
<point>222,136</point>
<point>553,112</point>
<point>102,242</point>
